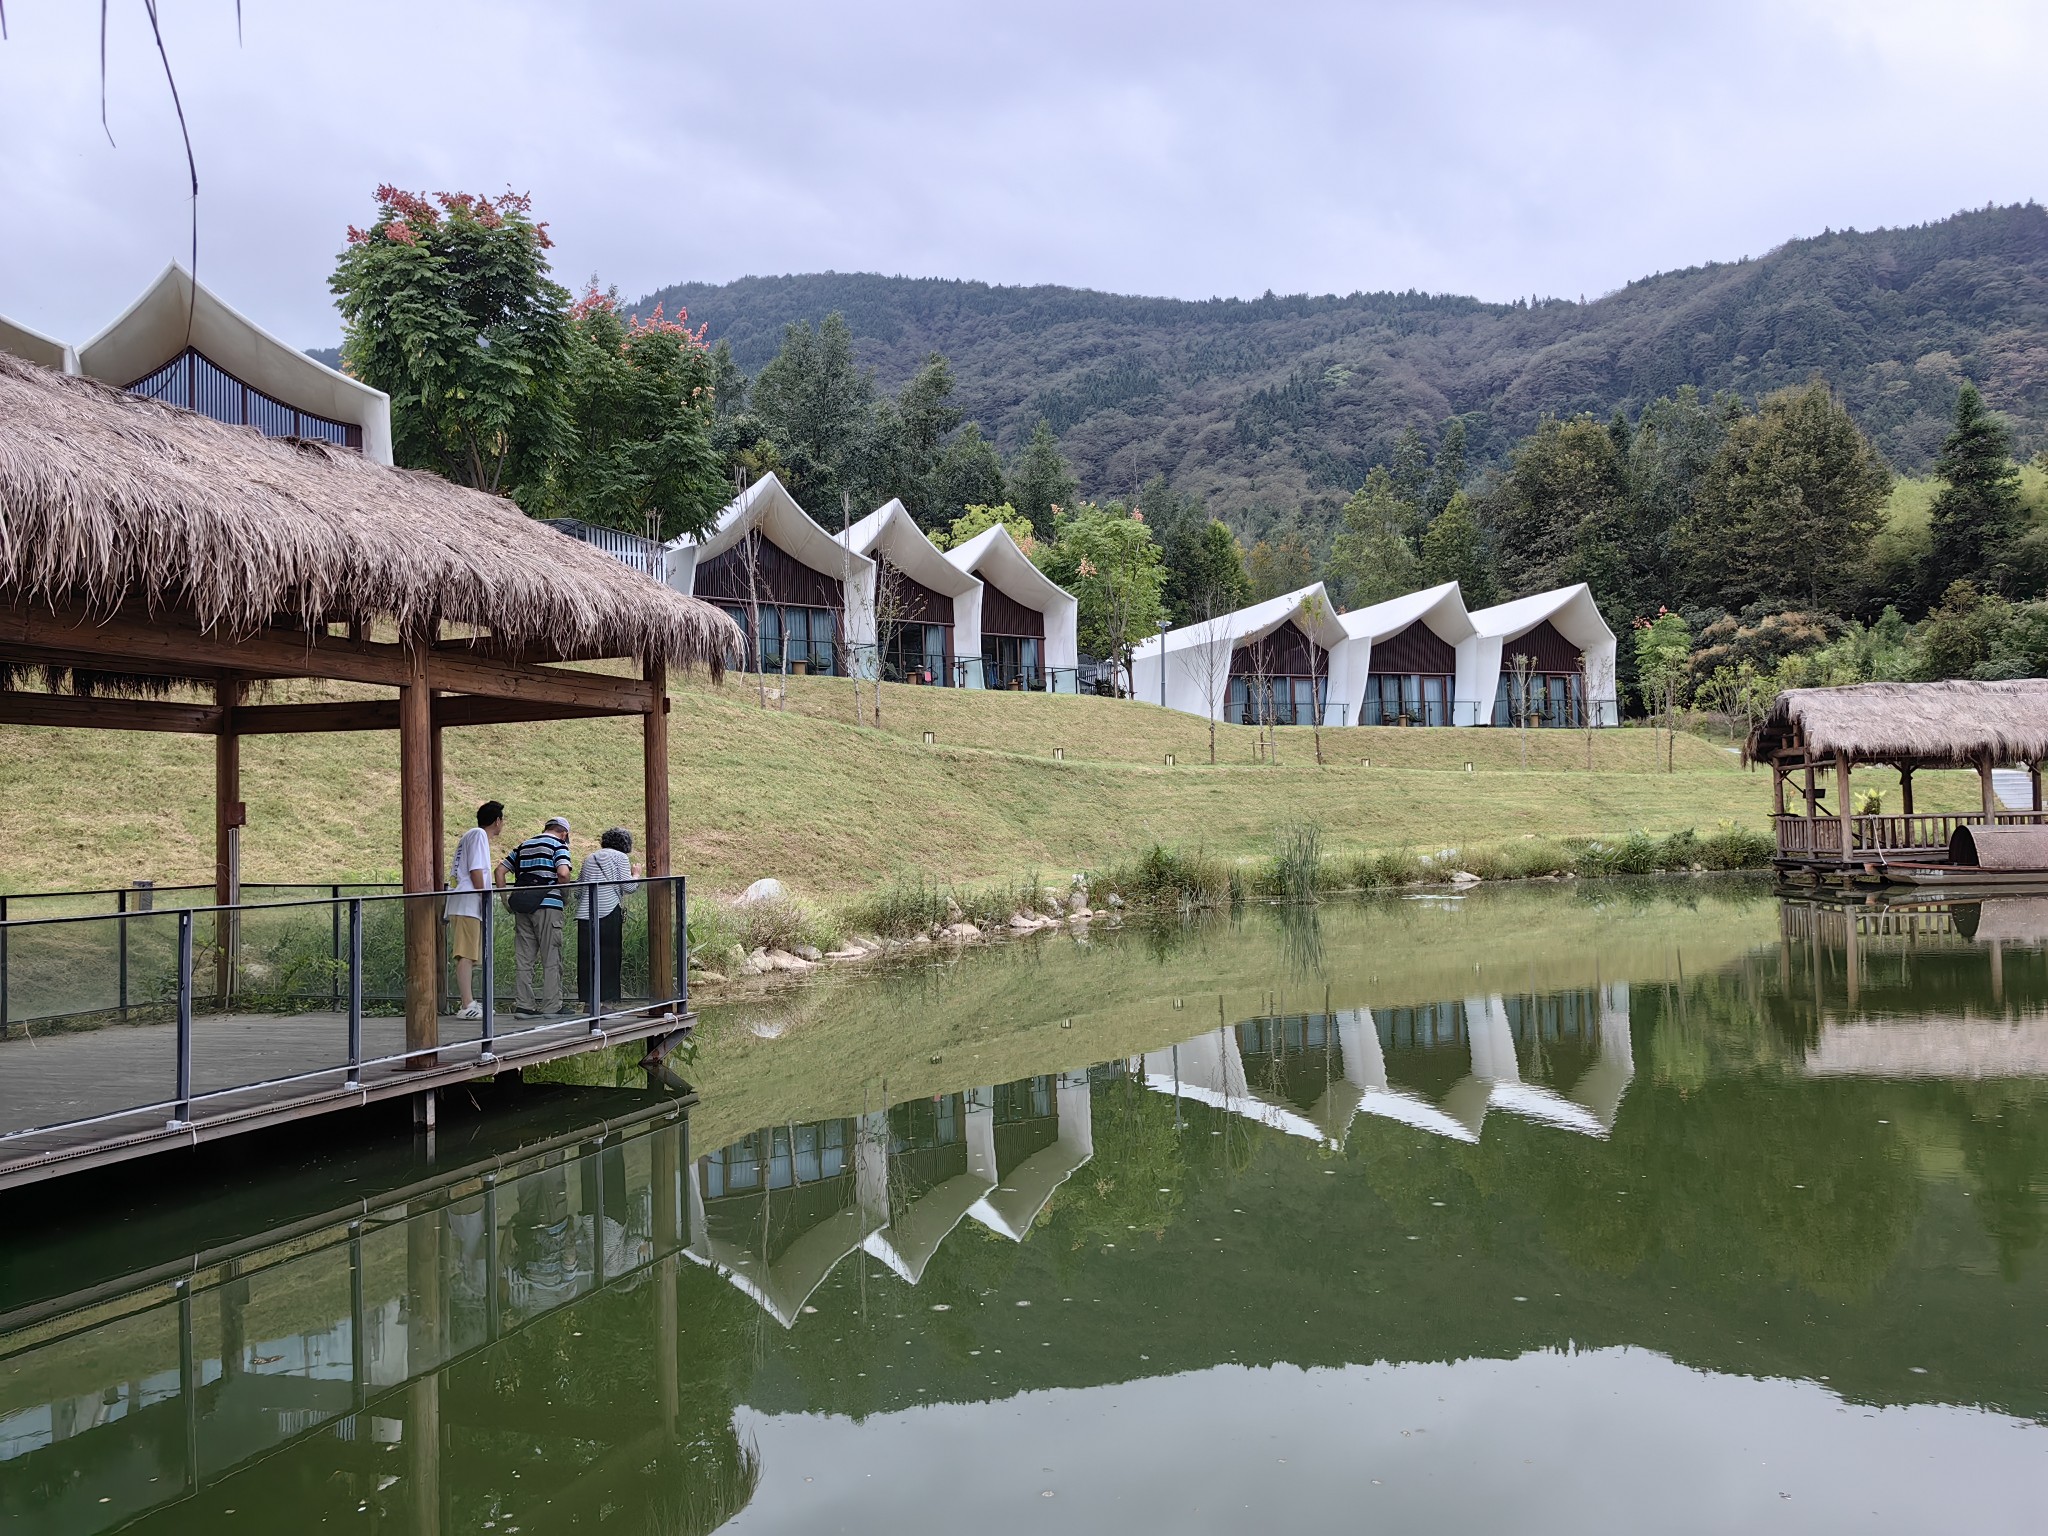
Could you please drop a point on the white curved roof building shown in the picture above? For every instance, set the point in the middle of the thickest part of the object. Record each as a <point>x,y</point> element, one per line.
<point>1028,623</point>
<point>930,607</point>
<point>181,344</point>
<point>1421,659</point>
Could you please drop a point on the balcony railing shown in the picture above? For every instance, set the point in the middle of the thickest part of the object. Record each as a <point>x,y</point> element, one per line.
<point>123,1022</point>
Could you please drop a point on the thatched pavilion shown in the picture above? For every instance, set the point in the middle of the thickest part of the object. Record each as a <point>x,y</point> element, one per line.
<point>1815,734</point>
<point>155,563</point>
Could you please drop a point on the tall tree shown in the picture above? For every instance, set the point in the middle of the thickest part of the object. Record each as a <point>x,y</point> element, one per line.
<point>1108,561</point>
<point>1204,572</point>
<point>1041,481</point>
<point>1564,485</point>
<point>1370,558</point>
<point>449,310</point>
<point>1410,467</point>
<point>1447,475</point>
<point>1282,563</point>
<point>1790,507</point>
<point>1977,515</point>
<point>817,404</point>
<point>635,451</point>
<point>967,474</point>
<point>1454,549</point>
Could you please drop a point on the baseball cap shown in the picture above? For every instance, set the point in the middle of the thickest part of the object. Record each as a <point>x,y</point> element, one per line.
<point>557,821</point>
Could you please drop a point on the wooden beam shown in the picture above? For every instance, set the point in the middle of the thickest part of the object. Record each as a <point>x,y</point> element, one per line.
<point>69,711</point>
<point>661,916</point>
<point>1906,790</point>
<point>2034,781</point>
<point>228,816</point>
<point>1842,805</point>
<point>418,862</point>
<point>382,714</point>
<point>1990,792</point>
<point>548,685</point>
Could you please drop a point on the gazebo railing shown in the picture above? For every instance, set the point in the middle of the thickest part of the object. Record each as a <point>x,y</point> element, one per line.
<point>1893,835</point>
<point>232,1008</point>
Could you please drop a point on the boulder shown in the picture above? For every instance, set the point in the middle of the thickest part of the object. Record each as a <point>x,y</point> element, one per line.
<point>706,976</point>
<point>1024,922</point>
<point>1463,877</point>
<point>783,960</point>
<point>762,890</point>
<point>756,964</point>
<point>851,952</point>
<point>1116,902</point>
<point>962,931</point>
<point>808,952</point>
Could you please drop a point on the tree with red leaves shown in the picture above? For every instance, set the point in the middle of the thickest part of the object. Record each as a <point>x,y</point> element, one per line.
<point>450,310</point>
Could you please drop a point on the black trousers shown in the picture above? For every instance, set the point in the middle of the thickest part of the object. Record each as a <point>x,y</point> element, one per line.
<point>604,948</point>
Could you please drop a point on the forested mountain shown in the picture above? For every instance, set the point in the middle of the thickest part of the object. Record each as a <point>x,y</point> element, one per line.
<point>1275,405</point>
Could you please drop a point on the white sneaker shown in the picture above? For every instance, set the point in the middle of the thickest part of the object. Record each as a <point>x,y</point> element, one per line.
<point>473,1011</point>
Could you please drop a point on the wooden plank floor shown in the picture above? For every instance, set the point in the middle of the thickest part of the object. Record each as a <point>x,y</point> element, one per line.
<point>51,1080</point>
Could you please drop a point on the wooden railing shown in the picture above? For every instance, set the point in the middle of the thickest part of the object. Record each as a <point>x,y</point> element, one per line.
<point>1896,836</point>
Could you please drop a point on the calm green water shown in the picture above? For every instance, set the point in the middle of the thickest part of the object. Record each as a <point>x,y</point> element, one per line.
<point>1568,1209</point>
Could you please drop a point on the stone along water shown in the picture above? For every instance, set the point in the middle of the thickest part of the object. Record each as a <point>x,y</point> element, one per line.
<point>1594,1209</point>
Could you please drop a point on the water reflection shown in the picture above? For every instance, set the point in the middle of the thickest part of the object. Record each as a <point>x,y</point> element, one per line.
<point>1404,1241</point>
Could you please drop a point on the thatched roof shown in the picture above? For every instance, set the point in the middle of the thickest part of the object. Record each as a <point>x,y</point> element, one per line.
<point>112,501</point>
<point>1929,725</point>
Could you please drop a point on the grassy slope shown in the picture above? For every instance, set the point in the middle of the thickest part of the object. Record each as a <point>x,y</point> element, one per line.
<point>829,807</point>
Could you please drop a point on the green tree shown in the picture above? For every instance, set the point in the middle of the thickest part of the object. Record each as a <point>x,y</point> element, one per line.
<point>1107,559</point>
<point>1204,572</point>
<point>1961,633</point>
<point>635,451</point>
<point>979,519</point>
<point>967,474</point>
<point>1790,507</point>
<point>1978,513</point>
<point>1454,549</point>
<point>1409,469</point>
<point>1283,563</point>
<point>1447,475</point>
<point>1371,559</point>
<point>1564,489</point>
<point>448,308</point>
<point>1663,651</point>
<point>1041,483</point>
<point>818,405</point>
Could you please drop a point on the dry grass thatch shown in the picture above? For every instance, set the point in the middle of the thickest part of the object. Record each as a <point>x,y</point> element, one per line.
<point>1929,725</point>
<point>113,502</point>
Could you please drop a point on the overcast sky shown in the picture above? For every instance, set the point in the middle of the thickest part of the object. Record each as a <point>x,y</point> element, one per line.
<point>1496,147</point>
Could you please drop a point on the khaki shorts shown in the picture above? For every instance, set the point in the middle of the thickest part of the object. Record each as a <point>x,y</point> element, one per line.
<point>466,937</point>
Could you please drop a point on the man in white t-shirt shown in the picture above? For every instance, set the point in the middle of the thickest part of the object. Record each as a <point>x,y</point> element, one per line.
<point>470,880</point>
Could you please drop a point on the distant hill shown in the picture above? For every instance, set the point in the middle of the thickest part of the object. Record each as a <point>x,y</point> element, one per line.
<point>1271,403</point>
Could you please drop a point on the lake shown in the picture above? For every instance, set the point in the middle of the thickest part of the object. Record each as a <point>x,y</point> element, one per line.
<point>1578,1207</point>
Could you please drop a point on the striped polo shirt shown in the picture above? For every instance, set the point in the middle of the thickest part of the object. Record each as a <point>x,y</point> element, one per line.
<point>539,858</point>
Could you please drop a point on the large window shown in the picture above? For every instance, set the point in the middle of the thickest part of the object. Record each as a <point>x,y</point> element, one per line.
<point>1407,698</point>
<point>1012,661</point>
<point>1554,698</point>
<point>1272,701</point>
<point>915,653</point>
<point>810,636</point>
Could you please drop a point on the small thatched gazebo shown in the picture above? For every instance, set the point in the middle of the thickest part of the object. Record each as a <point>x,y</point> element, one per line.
<point>1907,726</point>
<point>147,552</point>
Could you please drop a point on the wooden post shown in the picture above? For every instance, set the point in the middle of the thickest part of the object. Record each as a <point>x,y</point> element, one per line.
<point>668,1246</point>
<point>424,1354</point>
<point>661,917</point>
<point>1990,793</point>
<point>1842,804</point>
<point>2034,779</point>
<point>441,860</point>
<point>416,836</point>
<point>228,816</point>
<point>1906,790</point>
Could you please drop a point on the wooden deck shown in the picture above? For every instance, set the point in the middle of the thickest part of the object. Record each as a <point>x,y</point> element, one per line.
<point>84,1086</point>
<point>1815,843</point>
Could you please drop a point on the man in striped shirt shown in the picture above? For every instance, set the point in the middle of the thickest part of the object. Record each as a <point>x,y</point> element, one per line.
<point>542,860</point>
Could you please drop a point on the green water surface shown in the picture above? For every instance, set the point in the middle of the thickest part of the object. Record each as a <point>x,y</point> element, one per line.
<point>1575,1209</point>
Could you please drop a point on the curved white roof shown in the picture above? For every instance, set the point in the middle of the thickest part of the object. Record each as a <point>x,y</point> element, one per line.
<point>175,312</point>
<point>1008,569</point>
<point>767,505</point>
<point>1571,609</point>
<point>1244,625</point>
<point>1442,608</point>
<point>35,347</point>
<point>894,531</point>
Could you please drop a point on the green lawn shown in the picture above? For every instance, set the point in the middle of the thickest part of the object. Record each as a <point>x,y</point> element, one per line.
<point>831,808</point>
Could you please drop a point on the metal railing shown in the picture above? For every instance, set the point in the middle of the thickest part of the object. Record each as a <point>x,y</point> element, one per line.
<point>1377,711</point>
<point>174,1014</point>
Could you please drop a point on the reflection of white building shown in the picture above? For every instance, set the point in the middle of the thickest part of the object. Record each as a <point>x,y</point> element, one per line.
<point>1421,659</point>
<point>1308,1075</point>
<point>180,344</point>
<point>942,1162</point>
<point>776,1211</point>
<point>1043,1131</point>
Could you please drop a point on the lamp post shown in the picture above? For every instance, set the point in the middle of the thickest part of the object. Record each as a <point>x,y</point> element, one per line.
<point>1162,663</point>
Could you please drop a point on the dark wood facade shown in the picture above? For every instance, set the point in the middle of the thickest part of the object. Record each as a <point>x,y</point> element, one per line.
<point>1416,649</point>
<point>780,579</point>
<point>1002,614</point>
<point>1286,652</point>
<point>1551,652</point>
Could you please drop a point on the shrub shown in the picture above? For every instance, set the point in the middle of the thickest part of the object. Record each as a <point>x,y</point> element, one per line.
<point>907,907</point>
<point>1169,878</point>
<point>1297,872</point>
